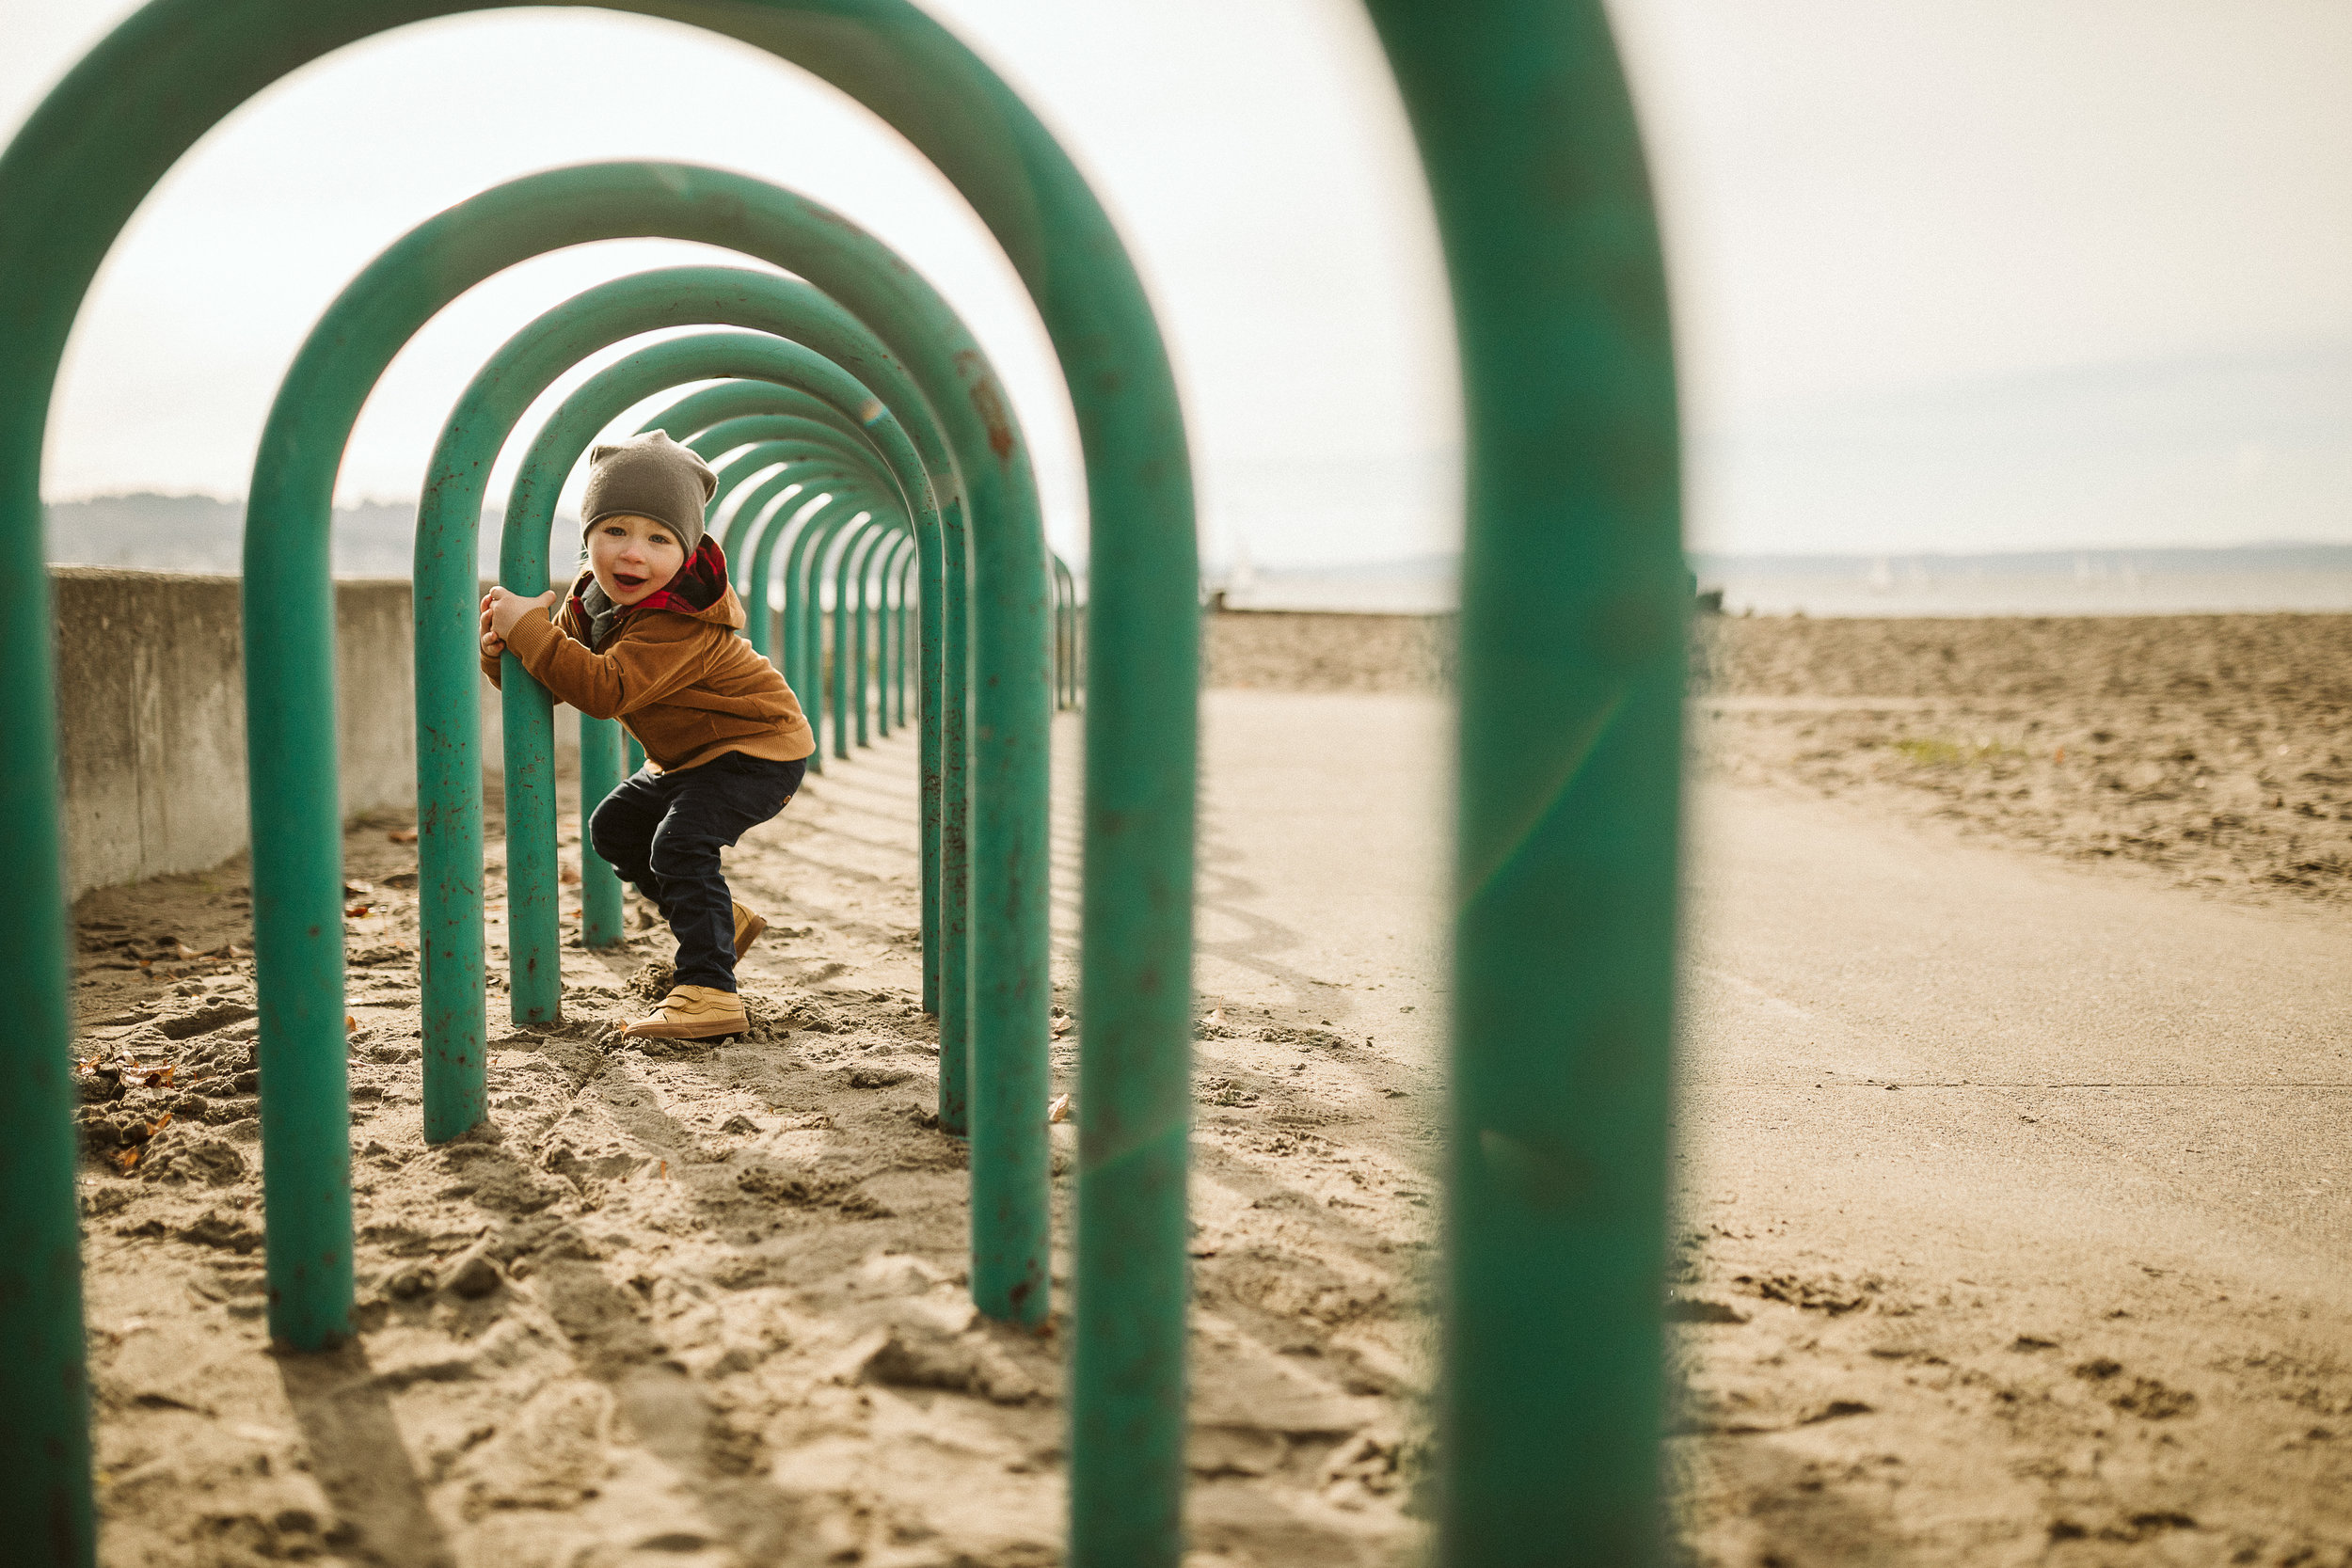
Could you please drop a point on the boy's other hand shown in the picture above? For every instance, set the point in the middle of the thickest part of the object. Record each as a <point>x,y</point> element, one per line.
<point>501,609</point>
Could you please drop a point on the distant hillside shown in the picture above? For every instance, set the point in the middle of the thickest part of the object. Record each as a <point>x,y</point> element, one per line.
<point>203,533</point>
<point>2085,564</point>
<point>2173,580</point>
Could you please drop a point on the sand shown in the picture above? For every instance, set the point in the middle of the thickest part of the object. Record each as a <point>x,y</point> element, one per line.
<point>1984,1251</point>
<point>1280,650</point>
<point>705,1305</point>
<point>2208,750</point>
<point>2015,1210</point>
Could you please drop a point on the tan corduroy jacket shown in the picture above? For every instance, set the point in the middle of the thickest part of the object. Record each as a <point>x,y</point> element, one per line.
<point>683,683</point>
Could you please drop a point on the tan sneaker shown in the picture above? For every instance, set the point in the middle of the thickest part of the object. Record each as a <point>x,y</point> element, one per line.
<point>749,922</point>
<point>694,1013</point>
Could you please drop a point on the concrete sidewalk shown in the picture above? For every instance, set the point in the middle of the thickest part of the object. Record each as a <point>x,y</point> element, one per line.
<point>2015,1217</point>
<point>2031,1182</point>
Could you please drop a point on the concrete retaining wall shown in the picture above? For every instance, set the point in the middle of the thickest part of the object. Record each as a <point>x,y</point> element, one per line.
<point>151,695</point>
<point>150,703</point>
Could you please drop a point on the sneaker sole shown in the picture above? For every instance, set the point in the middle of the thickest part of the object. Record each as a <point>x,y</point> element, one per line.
<point>706,1032</point>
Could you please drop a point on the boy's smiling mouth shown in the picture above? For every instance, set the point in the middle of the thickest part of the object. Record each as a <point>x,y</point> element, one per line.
<point>633,556</point>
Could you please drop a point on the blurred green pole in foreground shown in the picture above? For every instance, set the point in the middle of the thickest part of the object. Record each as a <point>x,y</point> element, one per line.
<point>1573,603</point>
<point>71,180</point>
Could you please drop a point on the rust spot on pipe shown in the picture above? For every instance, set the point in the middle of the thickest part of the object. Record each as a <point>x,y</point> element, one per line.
<point>992,411</point>
<point>988,403</point>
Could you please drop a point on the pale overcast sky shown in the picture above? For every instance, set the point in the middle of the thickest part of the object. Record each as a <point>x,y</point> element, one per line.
<point>1949,273</point>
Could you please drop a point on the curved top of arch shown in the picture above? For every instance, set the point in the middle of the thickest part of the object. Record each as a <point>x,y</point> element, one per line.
<point>134,104</point>
<point>867,423</point>
<point>528,361</point>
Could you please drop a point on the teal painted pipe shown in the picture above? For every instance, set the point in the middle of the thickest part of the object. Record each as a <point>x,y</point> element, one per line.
<point>866,638</point>
<point>799,670</point>
<point>775,509</point>
<point>1061,637</point>
<point>1573,599</point>
<point>929,631</point>
<point>449,515</point>
<point>312,419</point>
<point>839,659</point>
<point>832,460</point>
<point>878,617</point>
<point>1078,622</point>
<point>873,660</point>
<point>534,934</point>
<point>757,471</point>
<point>891,643</point>
<point>485,415</point>
<point>730,433</point>
<point>599,884</point>
<point>732,415</point>
<point>866,643</point>
<point>885,581</point>
<point>1066,636</point>
<point>761,527</point>
<point>835,484</point>
<point>773,460</point>
<point>809,590</point>
<point>754,462</point>
<point>533,940</point>
<point>828,669</point>
<point>909,575</point>
<point>777,458</point>
<point>794,506</point>
<point>764,518</point>
<point>893,631</point>
<point>1077,642</point>
<point>734,437</point>
<point>448,1113</point>
<point>848,685</point>
<point>907,623</point>
<point>112,127</point>
<point>749,412</point>
<point>955,822</point>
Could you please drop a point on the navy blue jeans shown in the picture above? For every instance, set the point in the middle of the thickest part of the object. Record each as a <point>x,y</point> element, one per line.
<point>663,832</point>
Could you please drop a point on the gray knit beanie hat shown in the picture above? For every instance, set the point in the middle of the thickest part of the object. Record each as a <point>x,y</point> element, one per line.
<point>649,476</point>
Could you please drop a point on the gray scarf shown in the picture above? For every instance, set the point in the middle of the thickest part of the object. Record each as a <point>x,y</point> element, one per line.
<point>603,614</point>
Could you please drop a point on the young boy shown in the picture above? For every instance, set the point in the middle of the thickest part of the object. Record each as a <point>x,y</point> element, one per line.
<point>647,635</point>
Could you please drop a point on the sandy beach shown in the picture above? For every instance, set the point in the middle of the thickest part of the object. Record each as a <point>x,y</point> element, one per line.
<point>2013,1221</point>
<point>2208,750</point>
<point>706,1304</point>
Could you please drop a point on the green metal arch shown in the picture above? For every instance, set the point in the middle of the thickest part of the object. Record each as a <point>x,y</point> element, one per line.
<point>1550,237</point>
<point>70,181</point>
<point>644,372</point>
<point>890,611</point>
<point>448,884</point>
<point>1573,603</point>
<point>848,657</point>
<point>534,951</point>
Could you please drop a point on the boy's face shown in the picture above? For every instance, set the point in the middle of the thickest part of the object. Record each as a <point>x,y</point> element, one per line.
<point>633,557</point>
